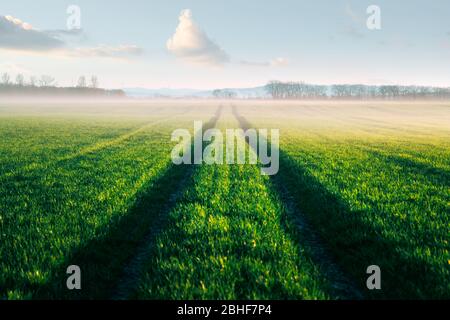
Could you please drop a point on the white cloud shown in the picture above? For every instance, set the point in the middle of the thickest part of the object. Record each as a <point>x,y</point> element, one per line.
<point>18,35</point>
<point>13,68</point>
<point>254,64</point>
<point>192,44</point>
<point>120,51</point>
<point>354,30</point>
<point>277,62</point>
<point>355,17</point>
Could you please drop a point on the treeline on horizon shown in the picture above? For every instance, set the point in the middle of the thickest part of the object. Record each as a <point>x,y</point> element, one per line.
<point>278,90</point>
<point>47,86</point>
<point>300,90</point>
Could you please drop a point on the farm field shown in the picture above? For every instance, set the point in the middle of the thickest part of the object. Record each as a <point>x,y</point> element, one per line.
<point>359,184</point>
<point>375,183</point>
<point>70,191</point>
<point>228,238</point>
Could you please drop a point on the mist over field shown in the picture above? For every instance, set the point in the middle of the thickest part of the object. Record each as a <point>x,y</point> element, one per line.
<point>245,153</point>
<point>78,172</point>
<point>347,114</point>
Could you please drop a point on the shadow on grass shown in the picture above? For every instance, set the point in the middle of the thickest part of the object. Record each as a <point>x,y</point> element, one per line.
<point>434,175</point>
<point>102,260</point>
<point>354,241</point>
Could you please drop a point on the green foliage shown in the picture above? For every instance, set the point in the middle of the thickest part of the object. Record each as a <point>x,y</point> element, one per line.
<point>228,238</point>
<point>66,189</point>
<point>88,190</point>
<point>378,208</point>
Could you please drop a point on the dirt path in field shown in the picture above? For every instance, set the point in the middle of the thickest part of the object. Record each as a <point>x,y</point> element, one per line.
<point>342,286</point>
<point>131,274</point>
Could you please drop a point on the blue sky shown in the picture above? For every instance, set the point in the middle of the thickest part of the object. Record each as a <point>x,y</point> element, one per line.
<point>228,43</point>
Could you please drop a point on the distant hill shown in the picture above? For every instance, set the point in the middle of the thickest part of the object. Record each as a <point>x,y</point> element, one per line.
<point>165,93</point>
<point>279,90</point>
<point>240,93</point>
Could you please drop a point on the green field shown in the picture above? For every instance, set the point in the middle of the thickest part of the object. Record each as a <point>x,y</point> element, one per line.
<point>93,185</point>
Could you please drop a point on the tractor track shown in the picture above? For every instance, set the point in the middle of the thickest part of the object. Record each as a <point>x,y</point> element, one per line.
<point>342,286</point>
<point>131,273</point>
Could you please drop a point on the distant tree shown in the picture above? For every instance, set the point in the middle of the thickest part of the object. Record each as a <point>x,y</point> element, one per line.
<point>274,88</point>
<point>339,90</point>
<point>6,79</point>
<point>33,81</point>
<point>81,82</point>
<point>301,90</point>
<point>295,90</point>
<point>94,82</point>
<point>320,91</point>
<point>224,94</point>
<point>47,81</point>
<point>20,80</point>
<point>230,95</point>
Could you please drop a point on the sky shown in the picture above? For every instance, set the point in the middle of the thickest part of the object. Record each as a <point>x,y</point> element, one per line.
<point>207,44</point>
